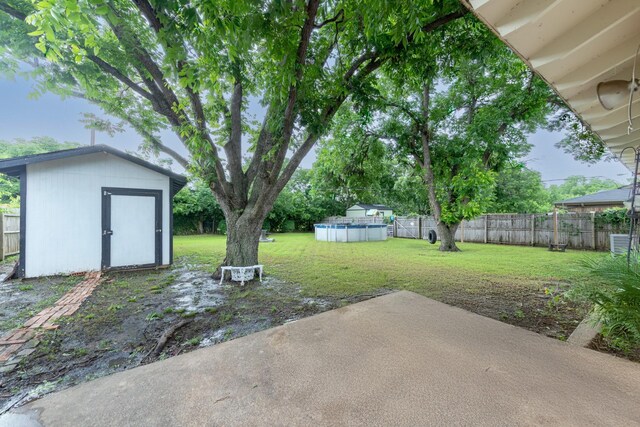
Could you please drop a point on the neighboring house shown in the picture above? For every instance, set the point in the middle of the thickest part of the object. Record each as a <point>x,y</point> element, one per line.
<point>597,202</point>
<point>92,208</point>
<point>362,209</point>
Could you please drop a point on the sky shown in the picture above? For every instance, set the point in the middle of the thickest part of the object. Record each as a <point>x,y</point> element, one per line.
<point>22,116</point>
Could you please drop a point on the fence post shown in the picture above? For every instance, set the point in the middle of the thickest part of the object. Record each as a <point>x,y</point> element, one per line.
<point>486,228</point>
<point>395,227</point>
<point>593,230</point>
<point>462,231</point>
<point>533,230</point>
<point>2,237</point>
<point>420,227</point>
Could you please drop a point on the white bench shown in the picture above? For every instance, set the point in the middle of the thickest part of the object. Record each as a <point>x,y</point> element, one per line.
<point>241,274</point>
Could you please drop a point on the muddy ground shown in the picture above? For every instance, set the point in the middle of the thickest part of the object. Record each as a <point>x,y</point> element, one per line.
<point>119,326</point>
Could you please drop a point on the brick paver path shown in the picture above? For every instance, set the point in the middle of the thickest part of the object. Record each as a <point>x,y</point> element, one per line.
<point>21,342</point>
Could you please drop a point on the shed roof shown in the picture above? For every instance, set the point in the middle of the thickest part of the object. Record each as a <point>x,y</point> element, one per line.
<point>15,165</point>
<point>573,45</point>
<point>618,195</point>
<point>367,207</point>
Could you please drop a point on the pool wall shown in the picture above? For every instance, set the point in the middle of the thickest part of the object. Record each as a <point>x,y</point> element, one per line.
<point>350,233</point>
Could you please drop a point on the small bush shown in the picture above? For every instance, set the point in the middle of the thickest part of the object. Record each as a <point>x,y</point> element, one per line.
<point>617,302</point>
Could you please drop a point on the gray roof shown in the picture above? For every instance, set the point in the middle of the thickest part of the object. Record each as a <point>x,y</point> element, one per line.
<point>618,195</point>
<point>15,165</point>
<point>367,207</point>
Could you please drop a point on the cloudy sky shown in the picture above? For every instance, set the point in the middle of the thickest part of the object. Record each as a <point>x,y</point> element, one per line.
<point>22,116</point>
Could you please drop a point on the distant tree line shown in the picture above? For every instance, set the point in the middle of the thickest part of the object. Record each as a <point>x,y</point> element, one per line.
<point>332,185</point>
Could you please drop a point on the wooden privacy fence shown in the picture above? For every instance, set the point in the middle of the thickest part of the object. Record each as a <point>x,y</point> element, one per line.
<point>10,233</point>
<point>578,231</point>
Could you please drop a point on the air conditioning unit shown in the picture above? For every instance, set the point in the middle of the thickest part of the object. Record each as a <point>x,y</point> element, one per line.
<point>619,244</point>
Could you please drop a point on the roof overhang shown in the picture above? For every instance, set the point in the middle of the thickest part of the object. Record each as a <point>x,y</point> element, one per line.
<point>16,165</point>
<point>573,45</point>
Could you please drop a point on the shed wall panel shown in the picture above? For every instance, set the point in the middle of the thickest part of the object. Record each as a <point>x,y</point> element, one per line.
<point>64,210</point>
<point>352,213</point>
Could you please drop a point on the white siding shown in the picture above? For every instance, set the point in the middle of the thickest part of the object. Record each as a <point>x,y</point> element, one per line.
<point>359,212</point>
<point>351,212</point>
<point>64,210</point>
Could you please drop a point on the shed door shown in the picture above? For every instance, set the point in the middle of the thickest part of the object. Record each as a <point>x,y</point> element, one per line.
<point>131,227</point>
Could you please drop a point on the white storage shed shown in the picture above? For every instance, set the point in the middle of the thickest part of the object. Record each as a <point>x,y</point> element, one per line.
<point>92,208</point>
<point>363,209</point>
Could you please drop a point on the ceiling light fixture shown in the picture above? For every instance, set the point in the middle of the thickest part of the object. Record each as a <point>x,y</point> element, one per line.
<point>614,93</point>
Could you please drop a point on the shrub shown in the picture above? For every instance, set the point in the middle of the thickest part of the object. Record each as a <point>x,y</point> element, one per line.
<point>617,301</point>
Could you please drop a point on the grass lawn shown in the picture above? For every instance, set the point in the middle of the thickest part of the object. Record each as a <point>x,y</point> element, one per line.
<point>120,323</point>
<point>523,286</point>
<point>345,269</point>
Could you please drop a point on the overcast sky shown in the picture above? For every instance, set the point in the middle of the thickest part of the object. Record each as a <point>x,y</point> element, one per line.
<point>21,116</point>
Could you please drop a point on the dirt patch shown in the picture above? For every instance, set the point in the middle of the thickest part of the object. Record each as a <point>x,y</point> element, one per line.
<point>119,325</point>
<point>603,345</point>
<point>543,310</point>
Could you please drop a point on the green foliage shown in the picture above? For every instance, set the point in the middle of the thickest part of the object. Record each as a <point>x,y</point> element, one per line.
<point>616,299</point>
<point>9,186</point>
<point>153,316</point>
<point>222,227</point>
<point>300,205</point>
<point>616,217</point>
<point>91,121</point>
<point>191,67</point>
<point>352,165</point>
<point>578,140</point>
<point>576,186</point>
<point>519,190</point>
<point>193,206</point>
<point>355,165</point>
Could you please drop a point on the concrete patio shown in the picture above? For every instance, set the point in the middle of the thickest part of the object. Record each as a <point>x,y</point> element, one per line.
<point>400,359</point>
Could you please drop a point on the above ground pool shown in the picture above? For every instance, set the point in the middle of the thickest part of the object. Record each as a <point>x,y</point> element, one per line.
<point>350,232</point>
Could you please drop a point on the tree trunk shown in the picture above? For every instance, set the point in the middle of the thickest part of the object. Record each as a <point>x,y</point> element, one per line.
<point>200,227</point>
<point>447,237</point>
<point>243,236</point>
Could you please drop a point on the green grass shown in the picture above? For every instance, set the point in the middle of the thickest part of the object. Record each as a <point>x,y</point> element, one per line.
<point>344,269</point>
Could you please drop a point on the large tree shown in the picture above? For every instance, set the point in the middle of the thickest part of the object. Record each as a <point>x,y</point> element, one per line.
<point>458,109</point>
<point>193,66</point>
<point>354,165</point>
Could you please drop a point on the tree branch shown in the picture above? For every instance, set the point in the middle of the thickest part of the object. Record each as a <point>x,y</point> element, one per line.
<point>155,141</point>
<point>338,18</point>
<point>153,18</point>
<point>12,11</point>
<point>233,147</point>
<point>113,71</point>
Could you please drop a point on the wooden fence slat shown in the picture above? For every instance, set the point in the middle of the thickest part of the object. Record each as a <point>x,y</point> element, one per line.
<point>4,250</point>
<point>9,235</point>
